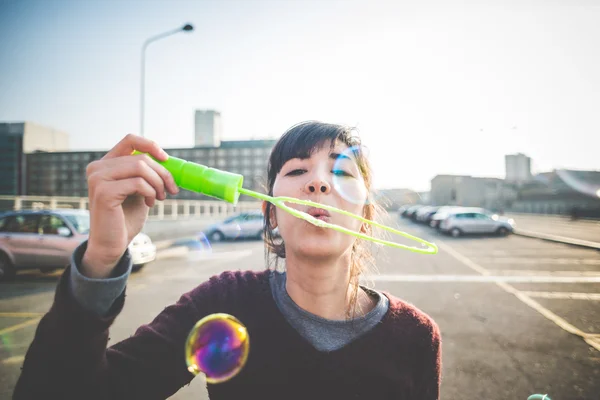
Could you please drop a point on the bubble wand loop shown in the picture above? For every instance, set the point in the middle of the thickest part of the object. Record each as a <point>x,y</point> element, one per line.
<point>228,187</point>
<point>280,200</point>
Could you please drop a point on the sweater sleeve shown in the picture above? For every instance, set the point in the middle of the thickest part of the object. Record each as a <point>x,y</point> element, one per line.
<point>429,371</point>
<point>69,359</point>
<point>98,295</point>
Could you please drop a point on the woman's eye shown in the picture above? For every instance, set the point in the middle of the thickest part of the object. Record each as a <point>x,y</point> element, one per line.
<point>341,172</point>
<point>296,172</point>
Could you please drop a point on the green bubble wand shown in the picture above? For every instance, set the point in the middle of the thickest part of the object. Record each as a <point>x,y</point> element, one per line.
<point>227,186</point>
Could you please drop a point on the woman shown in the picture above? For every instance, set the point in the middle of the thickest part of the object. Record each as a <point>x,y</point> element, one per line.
<point>315,332</point>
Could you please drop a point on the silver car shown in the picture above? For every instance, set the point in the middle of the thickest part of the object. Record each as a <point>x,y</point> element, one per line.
<point>45,240</point>
<point>240,226</point>
<point>473,221</point>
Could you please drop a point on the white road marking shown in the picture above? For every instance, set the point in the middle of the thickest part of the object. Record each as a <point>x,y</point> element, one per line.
<point>525,272</point>
<point>564,295</point>
<point>591,339</point>
<point>538,260</point>
<point>14,360</point>
<point>485,278</point>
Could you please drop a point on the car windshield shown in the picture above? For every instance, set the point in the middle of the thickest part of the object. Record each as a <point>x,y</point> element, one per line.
<point>81,222</point>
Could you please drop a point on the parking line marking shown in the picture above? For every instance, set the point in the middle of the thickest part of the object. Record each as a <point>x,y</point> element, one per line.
<point>485,278</point>
<point>525,272</point>
<point>13,360</point>
<point>538,260</point>
<point>20,314</point>
<point>590,339</point>
<point>564,295</point>
<point>19,326</point>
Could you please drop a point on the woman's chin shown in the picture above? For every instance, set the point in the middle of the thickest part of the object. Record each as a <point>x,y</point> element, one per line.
<point>318,246</point>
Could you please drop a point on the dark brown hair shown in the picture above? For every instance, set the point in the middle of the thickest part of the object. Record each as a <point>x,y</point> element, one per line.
<point>300,141</point>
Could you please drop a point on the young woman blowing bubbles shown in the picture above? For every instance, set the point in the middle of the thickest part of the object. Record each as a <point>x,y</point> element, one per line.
<point>315,331</point>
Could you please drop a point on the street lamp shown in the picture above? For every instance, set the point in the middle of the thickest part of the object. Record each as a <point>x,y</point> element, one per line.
<point>185,28</point>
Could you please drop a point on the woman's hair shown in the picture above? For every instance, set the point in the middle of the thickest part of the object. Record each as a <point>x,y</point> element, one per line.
<point>300,141</point>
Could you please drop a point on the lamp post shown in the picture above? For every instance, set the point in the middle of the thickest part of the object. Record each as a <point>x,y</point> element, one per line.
<point>185,28</point>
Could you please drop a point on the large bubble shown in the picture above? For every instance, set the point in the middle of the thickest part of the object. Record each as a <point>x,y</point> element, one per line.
<point>348,179</point>
<point>218,346</point>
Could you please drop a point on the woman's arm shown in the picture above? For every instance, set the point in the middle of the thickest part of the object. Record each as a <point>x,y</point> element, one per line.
<point>69,359</point>
<point>429,371</point>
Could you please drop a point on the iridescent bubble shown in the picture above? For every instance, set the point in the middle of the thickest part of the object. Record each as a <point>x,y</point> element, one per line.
<point>218,345</point>
<point>348,179</point>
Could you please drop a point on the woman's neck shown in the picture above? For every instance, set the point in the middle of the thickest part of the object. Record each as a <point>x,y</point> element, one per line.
<point>321,287</point>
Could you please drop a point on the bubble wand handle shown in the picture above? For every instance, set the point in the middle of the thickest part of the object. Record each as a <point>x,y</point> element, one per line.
<point>228,186</point>
<point>199,178</point>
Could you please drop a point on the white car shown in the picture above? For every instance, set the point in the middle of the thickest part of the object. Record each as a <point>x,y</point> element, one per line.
<point>467,221</point>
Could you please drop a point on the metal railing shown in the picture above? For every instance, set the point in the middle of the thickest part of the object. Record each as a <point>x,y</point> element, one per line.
<point>162,210</point>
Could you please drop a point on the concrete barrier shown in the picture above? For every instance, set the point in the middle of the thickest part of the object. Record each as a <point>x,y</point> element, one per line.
<point>161,230</point>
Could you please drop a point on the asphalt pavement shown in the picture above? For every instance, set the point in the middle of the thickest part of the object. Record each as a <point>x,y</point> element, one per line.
<point>518,315</point>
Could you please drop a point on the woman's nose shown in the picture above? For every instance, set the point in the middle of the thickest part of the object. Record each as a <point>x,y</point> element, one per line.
<point>317,185</point>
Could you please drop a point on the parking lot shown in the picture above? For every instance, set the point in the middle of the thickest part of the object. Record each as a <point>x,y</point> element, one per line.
<point>518,315</point>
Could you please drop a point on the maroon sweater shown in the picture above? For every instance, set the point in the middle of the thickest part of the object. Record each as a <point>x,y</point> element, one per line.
<point>398,359</point>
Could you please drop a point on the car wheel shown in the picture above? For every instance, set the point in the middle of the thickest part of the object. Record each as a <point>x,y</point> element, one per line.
<point>137,267</point>
<point>217,236</point>
<point>7,270</point>
<point>502,231</point>
<point>455,232</point>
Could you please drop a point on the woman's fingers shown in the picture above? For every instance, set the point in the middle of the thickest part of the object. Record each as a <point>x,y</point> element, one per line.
<point>133,142</point>
<point>133,166</point>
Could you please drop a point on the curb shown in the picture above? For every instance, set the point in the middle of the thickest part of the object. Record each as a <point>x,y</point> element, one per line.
<point>559,239</point>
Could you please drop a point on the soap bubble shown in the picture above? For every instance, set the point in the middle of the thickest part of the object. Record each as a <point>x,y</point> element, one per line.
<point>218,346</point>
<point>348,180</point>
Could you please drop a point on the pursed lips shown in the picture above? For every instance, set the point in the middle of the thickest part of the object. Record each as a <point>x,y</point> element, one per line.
<point>319,213</point>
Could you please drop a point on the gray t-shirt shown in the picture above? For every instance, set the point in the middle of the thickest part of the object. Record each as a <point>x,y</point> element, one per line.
<point>325,334</point>
<point>98,295</point>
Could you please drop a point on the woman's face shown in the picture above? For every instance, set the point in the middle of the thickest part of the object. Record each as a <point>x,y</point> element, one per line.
<point>329,176</point>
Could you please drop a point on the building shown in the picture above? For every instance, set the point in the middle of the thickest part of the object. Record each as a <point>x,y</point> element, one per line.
<point>469,191</point>
<point>392,199</point>
<point>207,128</point>
<point>444,189</point>
<point>18,139</point>
<point>63,173</point>
<point>518,168</point>
<point>561,191</point>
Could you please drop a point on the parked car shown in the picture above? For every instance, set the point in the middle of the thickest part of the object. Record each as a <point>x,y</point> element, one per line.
<point>441,214</point>
<point>45,240</point>
<point>410,211</point>
<point>243,225</point>
<point>424,214</point>
<point>467,221</point>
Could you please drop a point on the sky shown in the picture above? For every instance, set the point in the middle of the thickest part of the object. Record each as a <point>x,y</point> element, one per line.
<point>434,87</point>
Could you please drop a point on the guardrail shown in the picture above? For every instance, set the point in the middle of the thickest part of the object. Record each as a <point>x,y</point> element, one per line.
<point>169,209</point>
